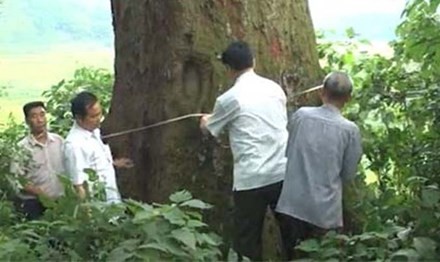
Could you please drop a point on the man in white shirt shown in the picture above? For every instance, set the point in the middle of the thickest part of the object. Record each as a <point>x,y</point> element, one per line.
<point>254,113</point>
<point>45,163</point>
<point>84,149</point>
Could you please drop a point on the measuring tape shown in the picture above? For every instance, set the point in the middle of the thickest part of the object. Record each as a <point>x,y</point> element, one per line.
<point>172,120</point>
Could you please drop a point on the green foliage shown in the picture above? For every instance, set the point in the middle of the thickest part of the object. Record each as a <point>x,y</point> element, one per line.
<point>9,151</point>
<point>94,231</point>
<point>393,217</point>
<point>419,37</point>
<point>33,25</point>
<point>91,230</point>
<point>396,104</point>
<point>97,81</point>
<point>393,244</point>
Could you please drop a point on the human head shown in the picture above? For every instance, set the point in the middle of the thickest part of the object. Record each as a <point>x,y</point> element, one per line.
<point>238,57</point>
<point>86,110</point>
<point>337,88</point>
<point>35,116</point>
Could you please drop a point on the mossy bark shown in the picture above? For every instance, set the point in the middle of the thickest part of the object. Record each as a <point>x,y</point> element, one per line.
<point>166,66</point>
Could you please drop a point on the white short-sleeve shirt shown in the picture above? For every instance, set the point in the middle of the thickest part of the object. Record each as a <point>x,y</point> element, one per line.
<point>85,150</point>
<point>254,113</point>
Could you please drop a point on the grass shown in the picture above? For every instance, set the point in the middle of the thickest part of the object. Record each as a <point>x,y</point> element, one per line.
<point>26,76</point>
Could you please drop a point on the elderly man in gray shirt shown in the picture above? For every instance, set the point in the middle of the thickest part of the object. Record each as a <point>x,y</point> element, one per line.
<point>323,152</point>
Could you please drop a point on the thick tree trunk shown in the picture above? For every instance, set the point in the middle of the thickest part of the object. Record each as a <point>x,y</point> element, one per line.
<point>166,66</point>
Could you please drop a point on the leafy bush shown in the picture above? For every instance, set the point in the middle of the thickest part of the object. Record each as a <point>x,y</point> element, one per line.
<point>10,151</point>
<point>95,231</point>
<point>396,104</point>
<point>91,230</point>
<point>97,81</point>
<point>392,244</point>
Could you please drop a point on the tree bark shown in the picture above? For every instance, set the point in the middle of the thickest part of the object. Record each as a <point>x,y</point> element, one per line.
<point>166,66</point>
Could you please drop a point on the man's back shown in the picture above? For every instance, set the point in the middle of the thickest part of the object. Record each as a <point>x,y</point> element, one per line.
<point>256,121</point>
<point>323,150</point>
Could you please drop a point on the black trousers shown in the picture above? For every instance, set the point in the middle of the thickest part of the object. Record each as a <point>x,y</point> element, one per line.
<point>293,231</point>
<point>250,208</point>
<point>31,208</point>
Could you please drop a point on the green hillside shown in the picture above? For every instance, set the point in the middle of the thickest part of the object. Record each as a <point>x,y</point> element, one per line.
<point>44,41</point>
<point>36,25</point>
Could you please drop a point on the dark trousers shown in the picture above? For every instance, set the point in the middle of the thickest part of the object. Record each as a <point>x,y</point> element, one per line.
<point>31,208</point>
<point>250,208</point>
<point>293,231</point>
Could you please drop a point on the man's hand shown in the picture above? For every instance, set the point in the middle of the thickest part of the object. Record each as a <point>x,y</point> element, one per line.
<point>80,189</point>
<point>34,190</point>
<point>203,122</point>
<point>123,163</point>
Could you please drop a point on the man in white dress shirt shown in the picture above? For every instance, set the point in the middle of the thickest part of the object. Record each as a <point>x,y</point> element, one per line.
<point>84,149</point>
<point>254,113</point>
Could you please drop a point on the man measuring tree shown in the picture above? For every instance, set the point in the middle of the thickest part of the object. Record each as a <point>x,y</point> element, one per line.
<point>253,112</point>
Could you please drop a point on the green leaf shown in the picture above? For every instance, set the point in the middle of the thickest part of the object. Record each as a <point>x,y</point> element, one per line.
<point>195,203</point>
<point>330,253</point>
<point>119,254</point>
<point>309,246</point>
<point>175,216</point>
<point>405,255</point>
<point>232,255</point>
<point>195,215</point>
<point>425,246</point>
<point>342,237</point>
<point>430,197</point>
<point>185,236</point>
<point>195,223</point>
<point>144,215</point>
<point>180,196</point>
<point>150,254</point>
<point>155,246</point>
<point>210,239</point>
<point>404,234</point>
<point>350,32</point>
<point>348,59</point>
<point>173,248</point>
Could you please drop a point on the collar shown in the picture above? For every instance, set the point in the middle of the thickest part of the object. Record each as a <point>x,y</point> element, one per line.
<point>86,133</point>
<point>33,142</point>
<point>331,108</point>
<point>244,75</point>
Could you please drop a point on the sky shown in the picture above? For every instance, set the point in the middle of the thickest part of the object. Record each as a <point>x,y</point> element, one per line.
<point>28,24</point>
<point>375,20</point>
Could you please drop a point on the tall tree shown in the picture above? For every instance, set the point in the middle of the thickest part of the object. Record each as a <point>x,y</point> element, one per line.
<point>166,66</point>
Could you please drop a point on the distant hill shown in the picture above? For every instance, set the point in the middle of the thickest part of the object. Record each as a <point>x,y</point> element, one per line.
<point>36,25</point>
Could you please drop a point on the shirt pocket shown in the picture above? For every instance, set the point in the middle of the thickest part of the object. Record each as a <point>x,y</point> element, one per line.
<point>37,164</point>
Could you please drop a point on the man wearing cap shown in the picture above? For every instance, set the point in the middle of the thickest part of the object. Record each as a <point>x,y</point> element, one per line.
<point>323,152</point>
<point>253,112</point>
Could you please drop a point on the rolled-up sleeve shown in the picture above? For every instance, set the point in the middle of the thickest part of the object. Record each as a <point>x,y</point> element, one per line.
<point>222,115</point>
<point>75,162</point>
<point>352,155</point>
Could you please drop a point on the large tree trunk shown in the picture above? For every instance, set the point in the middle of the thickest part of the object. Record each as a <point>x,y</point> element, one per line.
<point>166,66</point>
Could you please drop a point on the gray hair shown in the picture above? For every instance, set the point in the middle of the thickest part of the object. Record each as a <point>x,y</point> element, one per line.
<point>338,84</point>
